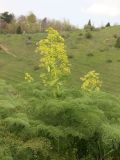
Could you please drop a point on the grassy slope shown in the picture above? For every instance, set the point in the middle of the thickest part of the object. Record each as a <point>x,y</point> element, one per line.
<point>101,46</point>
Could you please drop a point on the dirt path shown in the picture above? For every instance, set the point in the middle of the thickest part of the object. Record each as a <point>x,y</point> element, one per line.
<point>5,49</point>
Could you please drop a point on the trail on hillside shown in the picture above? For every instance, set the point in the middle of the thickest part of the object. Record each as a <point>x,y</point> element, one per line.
<point>6,50</point>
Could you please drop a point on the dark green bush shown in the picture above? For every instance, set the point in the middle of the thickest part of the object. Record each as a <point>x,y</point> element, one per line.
<point>88,35</point>
<point>36,68</point>
<point>109,61</point>
<point>115,36</point>
<point>108,24</point>
<point>16,124</point>
<point>19,30</point>
<point>117,44</point>
<point>90,54</point>
<point>80,34</point>
<point>70,56</point>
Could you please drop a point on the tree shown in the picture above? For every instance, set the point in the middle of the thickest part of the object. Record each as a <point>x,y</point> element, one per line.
<point>89,23</point>
<point>108,24</point>
<point>31,18</point>
<point>54,60</point>
<point>21,19</point>
<point>89,26</point>
<point>7,17</point>
<point>44,23</point>
<point>19,30</point>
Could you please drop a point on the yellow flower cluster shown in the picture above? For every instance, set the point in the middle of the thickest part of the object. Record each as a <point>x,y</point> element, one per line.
<point>91,81</point>
<point>28,77</point>
<point>54,58</point>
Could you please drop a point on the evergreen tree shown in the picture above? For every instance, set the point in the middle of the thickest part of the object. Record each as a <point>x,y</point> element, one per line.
<point>108,24</point>
<point>89,23</point>
<point>19,30</point>
<point>89,26</point>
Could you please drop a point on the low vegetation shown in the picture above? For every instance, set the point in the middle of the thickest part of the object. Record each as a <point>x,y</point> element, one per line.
<point>35,125</point>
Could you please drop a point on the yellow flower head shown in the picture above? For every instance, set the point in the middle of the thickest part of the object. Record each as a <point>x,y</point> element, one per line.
<point>91,81</point>
<point>53,58</point>
<point>28,77</point>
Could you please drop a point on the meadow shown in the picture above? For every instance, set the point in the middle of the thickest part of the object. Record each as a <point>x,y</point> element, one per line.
<point>98,53</point>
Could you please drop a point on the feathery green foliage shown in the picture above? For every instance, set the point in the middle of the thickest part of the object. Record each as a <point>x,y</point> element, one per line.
<point>74,125</point>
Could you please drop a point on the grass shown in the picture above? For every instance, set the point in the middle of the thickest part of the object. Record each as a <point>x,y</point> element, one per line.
<point>101,45</point>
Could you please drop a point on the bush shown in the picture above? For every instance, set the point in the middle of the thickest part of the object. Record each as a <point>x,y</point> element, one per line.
<point>36,68</point>
<point>88,35</point>
<point>90,54</point>
<point>81,34</point>
<point>19,30</point>
<point>29,37</point>
<point>70,56</point>
<point>16,124</point>
<point>109,61</point>
<point>81,123</point>
<point>115,36</point>
<point>107,25</point>
<point>117,45</point>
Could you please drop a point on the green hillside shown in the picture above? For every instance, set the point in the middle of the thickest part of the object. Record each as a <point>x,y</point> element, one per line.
<point>36,124</point>
<point>97,53</point>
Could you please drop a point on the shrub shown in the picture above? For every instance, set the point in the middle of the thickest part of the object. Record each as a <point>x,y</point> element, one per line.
<point>29,37</point>
<point>65,35</point>
<point>16,124</point>
<point>70,56</point>
<point>107,25</point>
<point>19,30</point>
<point>88,35</point>
<point>80,34</point>
<point>115,36</point>
<point>109,61</point>
<point>90,54</point>
<point>102,49</point>
<point>82,123</point>
<point>36,68</point>
<point>117,44</point>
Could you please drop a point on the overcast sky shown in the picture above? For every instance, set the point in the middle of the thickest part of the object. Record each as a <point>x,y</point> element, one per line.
<point>77,11</point>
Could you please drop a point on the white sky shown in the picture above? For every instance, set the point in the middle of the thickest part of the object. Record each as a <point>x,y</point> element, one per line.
<point>77,11</point>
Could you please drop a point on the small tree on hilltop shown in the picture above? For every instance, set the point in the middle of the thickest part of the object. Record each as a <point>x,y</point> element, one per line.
<point>54,60</point>
<point>108,24</point>
<point>89,26</point>
<point>89,23</point>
